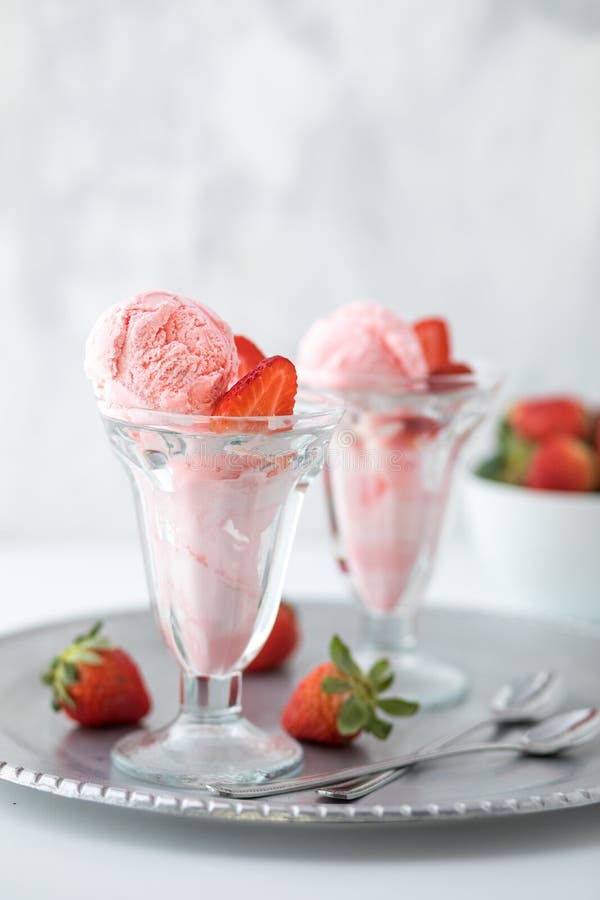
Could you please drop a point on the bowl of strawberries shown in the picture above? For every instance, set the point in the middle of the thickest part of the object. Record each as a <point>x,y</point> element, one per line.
<point>533,508</point>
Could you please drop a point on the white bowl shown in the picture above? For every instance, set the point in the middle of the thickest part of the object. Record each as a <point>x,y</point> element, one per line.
<point>541,546</point>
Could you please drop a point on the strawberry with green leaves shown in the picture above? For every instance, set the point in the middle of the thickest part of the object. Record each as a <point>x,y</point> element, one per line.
<point>97,684</point>
<point>337,700</point>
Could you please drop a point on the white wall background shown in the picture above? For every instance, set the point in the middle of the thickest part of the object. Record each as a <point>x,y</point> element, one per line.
<point>276,158</point>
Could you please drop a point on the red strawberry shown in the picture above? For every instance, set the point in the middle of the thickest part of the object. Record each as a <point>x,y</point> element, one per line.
<point>97,684</point>
<point>537,419</point>
<point>337,701</point>
<point>311,714</point>
<point>248,353</point>
<point>453,368</point>
<point>280,644</point>
<point>445,383</point>
<point>563,463</point>
<point>434,337</point>
<point>268,390</point>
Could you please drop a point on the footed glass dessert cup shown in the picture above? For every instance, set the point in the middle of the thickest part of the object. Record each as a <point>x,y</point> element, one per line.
<point>218,500</point>
<point>388,476</point>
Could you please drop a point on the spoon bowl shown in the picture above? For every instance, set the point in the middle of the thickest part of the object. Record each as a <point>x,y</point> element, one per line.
<point>562,732</point>
<point>528,699</point>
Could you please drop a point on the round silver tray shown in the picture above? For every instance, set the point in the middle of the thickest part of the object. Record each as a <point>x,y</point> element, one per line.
<point>41,750</point>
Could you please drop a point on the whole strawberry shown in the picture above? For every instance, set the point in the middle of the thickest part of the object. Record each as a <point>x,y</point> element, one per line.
<point>539,418</point>
<point>563,463</point>
<point>337,701</point>
<point>96,683</point>
<point>280,644</point>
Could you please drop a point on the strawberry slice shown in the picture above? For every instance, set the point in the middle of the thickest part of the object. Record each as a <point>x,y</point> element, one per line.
<point>268,390</point>
<point>441,385</point>
<point>434,337</point>
<point>453,368</point>
<point>248,354</point>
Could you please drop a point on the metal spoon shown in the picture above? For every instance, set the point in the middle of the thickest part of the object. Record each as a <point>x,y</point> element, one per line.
<point>528,699</point>
<point>561,732</point>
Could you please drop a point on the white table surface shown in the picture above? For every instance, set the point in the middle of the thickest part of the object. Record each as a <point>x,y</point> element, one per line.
<point>52,847</point>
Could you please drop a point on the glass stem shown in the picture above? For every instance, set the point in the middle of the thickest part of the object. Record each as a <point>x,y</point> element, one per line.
<point>210,699</point>
<point>389,634</point>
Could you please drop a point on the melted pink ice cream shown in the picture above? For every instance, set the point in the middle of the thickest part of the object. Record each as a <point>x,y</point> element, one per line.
<point>388,516</point>
<point>361,339</point>
<point>207,539</point>
<point>162,352</point>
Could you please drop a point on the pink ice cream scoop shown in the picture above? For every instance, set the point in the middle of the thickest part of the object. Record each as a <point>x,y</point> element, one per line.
<point>163,352</point>
<point>360,339</point>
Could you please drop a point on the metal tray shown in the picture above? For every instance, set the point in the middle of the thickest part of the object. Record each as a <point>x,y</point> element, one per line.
<point>41,750</point>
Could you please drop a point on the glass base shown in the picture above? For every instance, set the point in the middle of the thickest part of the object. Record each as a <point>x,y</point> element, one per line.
<point>192,753</point>
<point>421,678</point>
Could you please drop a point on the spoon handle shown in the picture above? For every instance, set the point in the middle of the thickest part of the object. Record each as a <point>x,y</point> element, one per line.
<point>356,788</point>
<point>306,782</point>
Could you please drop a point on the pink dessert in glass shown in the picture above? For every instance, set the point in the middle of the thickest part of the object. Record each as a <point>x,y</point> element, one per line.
<point>220,452</point>
<point>409,408</point>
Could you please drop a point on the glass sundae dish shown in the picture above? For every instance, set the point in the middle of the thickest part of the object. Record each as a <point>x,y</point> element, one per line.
<point>409,411</point>
<point>218,494</point>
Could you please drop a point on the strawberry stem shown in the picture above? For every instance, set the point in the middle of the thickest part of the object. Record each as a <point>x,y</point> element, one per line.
<point>64,668</point>
<point>359,710</point>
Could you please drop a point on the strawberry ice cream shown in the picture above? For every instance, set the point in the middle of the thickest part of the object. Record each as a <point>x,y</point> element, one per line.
<point>357,340</point>
<point>163,352</point>
<point>387,506</point>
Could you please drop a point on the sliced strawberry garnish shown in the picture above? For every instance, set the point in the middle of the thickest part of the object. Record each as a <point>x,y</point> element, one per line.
<point>453,368</point>
<point>248,354</point>
<point>442,380</point>
<point>434,337</point>
<point>268,390</point>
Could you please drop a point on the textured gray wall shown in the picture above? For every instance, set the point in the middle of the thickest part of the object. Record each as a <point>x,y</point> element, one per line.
<point>275,159</point>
